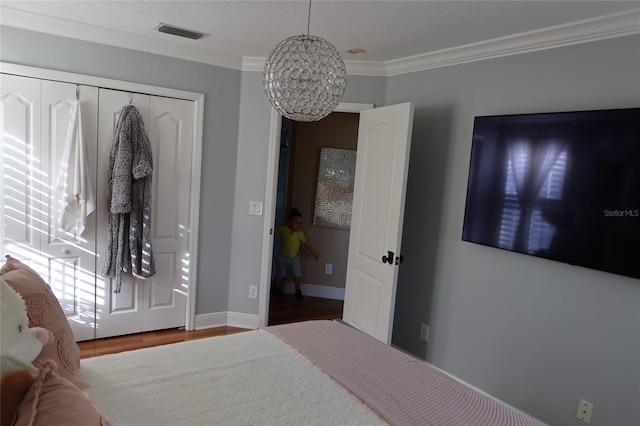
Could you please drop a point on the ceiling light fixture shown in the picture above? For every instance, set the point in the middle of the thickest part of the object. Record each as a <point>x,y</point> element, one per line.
<point>304,77</point>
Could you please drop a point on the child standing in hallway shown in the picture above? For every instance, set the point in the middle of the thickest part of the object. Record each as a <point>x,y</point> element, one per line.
<point>292,238</point>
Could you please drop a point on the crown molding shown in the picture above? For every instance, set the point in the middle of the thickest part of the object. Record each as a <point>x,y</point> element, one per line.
<point>252,63</point>
<point>61,27</point>
<point>604,27</point>
<point>368,68</point>
<point>600,28</point>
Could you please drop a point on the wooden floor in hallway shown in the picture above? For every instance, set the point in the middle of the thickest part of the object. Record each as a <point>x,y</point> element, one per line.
<point>286,309</point>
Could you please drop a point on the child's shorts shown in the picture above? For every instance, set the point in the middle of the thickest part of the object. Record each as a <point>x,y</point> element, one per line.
<point>285,262</point>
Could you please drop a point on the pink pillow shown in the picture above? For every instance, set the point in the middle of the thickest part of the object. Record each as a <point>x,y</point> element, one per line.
<point>44,310</point>
<point>53,400</point>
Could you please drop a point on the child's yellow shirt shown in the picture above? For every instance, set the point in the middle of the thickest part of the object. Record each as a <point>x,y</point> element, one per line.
<point>291,241</point>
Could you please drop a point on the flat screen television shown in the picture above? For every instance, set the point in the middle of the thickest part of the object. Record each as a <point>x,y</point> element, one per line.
<point>563,186</point>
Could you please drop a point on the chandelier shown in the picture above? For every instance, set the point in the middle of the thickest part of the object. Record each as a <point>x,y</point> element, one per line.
<point>304,77</point>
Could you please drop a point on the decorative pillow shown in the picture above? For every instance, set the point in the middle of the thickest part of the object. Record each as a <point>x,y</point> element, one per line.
<point>44,310</point>
<point>53,400</point>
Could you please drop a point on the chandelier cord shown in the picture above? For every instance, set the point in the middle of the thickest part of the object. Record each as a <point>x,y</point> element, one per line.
<point>309,18</point>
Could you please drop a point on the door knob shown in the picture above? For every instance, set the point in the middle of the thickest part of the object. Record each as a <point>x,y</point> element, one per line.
<point>388,258</point>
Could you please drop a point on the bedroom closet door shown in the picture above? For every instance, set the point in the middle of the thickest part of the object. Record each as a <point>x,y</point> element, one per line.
<point>20,205</point>
<point>35,119</point>
<point>160,301</point>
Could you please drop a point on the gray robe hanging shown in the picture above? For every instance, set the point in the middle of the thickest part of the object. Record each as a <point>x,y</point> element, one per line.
<point>129,200</point>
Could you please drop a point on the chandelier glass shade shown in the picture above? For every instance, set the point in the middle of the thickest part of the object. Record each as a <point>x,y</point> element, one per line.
<point>304,78</point>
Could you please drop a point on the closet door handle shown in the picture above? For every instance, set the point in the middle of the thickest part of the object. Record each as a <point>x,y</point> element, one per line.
<point>388,258</point>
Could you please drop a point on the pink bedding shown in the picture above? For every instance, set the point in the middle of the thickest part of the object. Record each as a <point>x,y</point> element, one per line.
<point>401,389</point>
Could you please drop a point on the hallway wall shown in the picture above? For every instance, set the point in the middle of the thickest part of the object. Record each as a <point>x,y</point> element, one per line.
<point>337,130</point>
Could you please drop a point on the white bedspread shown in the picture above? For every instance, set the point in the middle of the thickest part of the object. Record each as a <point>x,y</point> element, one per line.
<point>250,378</point>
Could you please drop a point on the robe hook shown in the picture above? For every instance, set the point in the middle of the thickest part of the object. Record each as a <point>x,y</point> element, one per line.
<point>77,92</point>
<point>130,98</point>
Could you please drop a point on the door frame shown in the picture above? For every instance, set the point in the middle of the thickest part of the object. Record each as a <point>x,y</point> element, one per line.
<point>196,163</point>
<point>270,203</point>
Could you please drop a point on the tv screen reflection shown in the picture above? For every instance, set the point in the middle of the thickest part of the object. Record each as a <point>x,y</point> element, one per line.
<point>563,186</point>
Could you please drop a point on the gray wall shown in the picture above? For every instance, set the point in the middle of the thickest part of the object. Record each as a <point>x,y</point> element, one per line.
<point>250,181</point>
<point>221,87</point>
<point>253,146</point>
<point>535,333</point>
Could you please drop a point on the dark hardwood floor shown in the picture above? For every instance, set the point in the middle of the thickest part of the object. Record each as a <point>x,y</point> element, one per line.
<point>286,309</point>
<point>282,310</point>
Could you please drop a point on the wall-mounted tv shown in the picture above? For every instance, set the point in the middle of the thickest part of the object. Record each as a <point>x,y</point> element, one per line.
<point>563,186</point>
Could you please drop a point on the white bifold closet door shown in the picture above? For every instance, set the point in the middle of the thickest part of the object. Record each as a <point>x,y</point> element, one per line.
<point>160,301</point>
<point>34,121</point>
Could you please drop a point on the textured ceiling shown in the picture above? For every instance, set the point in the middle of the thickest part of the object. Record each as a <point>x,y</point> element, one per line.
<point>386,30</point>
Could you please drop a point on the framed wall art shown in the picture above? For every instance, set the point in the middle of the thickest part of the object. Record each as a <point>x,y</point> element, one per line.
<point>334,191</point>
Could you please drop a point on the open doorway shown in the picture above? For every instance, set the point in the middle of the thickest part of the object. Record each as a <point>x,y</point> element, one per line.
<point>270,202</point>
<point>375,234</point>
<point>323,280</point>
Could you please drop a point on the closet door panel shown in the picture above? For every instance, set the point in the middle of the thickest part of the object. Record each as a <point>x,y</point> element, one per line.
<point>70,258</point>
<point>35,123</point>
<point>161,303</point>
<point>171,135</point>
<point>20,160</point>
<point>120,313</point>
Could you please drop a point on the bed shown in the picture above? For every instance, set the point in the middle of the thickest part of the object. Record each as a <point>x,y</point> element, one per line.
<point>307,373</point>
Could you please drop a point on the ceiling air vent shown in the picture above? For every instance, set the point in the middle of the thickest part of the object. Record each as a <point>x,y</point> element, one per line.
<point>180,32</point>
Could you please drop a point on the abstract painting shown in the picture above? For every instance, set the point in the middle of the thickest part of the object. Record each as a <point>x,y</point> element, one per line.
<point>334,193</point>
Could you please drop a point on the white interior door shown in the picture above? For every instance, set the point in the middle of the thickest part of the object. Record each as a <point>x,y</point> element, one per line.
<point>20,127</point>
<point>171,136</point>
<point>384,140</point>
<point>160,301</point>
<point>35,118</point>
<point>70,259</point>
<point>119,313</point>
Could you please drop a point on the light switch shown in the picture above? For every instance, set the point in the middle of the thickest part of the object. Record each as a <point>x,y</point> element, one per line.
<point>255,208</point>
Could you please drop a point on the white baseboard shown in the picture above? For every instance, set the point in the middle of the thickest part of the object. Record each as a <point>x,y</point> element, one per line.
<point>236,319</point>
<point>216,319</point>
<point>231,319</point>
<point>249,321</point>
<point>314,290</point>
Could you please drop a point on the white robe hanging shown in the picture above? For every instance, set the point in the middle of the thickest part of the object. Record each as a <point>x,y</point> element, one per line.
<point>74,180</point>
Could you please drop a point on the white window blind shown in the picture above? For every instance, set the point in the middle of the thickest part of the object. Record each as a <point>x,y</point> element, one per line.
<point>540,232</point>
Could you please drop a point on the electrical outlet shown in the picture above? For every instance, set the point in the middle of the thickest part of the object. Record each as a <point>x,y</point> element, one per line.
<point>585,409</point>
<point>424,332</point>
<point>253,292</point>
<point>328,269</point>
